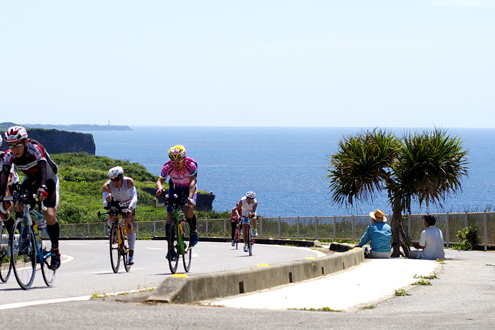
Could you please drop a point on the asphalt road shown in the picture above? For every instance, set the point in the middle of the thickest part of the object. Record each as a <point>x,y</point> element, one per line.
<point>86,268</point>
<point>462,297</point>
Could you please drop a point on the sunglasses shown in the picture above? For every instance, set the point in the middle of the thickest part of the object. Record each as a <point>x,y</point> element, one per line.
<point>177,161</point>
<point>18,145</point>
<point>116,179</point>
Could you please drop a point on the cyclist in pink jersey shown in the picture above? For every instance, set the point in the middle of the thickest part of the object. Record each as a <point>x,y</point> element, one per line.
<point>182,172</point>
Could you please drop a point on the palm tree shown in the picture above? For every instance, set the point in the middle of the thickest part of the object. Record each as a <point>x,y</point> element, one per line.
<point>424,167</point>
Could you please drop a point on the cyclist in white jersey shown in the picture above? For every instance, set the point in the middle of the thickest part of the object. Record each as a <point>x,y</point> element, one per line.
<point>122,189</point>
<point>248,205</point>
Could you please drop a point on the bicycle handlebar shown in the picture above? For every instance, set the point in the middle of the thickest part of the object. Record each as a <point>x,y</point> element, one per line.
<point>112,208</point>
<point>174,201</point>
<point>25,197</point>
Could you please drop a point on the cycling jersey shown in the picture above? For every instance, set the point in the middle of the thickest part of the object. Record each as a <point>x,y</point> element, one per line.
<point>247,208</point>
<point>125,196</point>
<point>179,179</point>
<point>36,164</point>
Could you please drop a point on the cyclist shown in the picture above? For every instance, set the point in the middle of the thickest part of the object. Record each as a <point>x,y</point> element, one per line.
<point>121,188</point>
<point>183,176</point>
<point>247,205</point>
<point>7,207</point>
<point>31,158</point>
<point>234,220</point>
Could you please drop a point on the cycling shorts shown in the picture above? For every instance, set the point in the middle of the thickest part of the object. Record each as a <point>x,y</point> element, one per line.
<point>52,188</point>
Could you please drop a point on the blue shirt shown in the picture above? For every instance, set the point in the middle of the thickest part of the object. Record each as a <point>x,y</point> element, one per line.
<point>380,235</point>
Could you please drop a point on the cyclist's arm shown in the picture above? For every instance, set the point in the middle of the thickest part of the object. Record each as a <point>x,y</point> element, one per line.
<point>159,185</point>
<point>4,176</point>
<point>133,192</point>
<point>107,196</point>
<point>239,207</point>
<point>254,208</point>
<point>192,186</point>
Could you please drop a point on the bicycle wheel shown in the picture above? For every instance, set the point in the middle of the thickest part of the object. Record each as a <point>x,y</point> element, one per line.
<point>114,247</point>
<point>5,256</point>
<point>236,237</point>
<point>124,249</point>
<point>23,253</point>
<point>250,241</point>
<point>173,249</point>
<point>186,240</point>
<point>46,250</point>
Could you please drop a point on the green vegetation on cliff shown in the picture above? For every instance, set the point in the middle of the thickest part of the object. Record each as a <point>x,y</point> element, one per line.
<point>81,179</point>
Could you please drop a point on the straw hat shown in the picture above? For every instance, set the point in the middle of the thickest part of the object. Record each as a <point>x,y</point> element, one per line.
<point>378,215</point>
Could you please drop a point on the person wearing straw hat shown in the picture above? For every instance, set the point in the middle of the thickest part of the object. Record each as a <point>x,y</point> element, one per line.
<point>380,235</point>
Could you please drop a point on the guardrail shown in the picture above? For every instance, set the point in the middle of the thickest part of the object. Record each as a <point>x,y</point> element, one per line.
<point>310,228</point>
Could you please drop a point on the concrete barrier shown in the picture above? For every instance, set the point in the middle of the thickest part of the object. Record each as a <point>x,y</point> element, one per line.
<point>228,283</point>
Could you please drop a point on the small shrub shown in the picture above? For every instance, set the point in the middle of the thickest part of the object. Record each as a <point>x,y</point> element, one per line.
<point>401,292</point>
<point>422,282</point>
<point>469,236</point>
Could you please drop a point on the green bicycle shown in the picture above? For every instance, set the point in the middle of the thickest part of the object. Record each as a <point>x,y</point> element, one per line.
<point>179,235</point>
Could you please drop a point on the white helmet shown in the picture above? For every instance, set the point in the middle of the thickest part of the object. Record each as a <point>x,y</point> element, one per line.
<point>250,194</point>
<point>15,133</point>
<point>1,140</point>
<point>114,172</point>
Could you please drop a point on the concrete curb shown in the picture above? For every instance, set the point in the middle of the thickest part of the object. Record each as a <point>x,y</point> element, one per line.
<point>228,283</point>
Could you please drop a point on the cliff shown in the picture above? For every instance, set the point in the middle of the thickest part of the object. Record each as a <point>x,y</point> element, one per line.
<point>57,142</point>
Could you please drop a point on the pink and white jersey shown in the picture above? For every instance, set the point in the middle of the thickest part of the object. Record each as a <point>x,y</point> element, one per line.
<point>179,180</point>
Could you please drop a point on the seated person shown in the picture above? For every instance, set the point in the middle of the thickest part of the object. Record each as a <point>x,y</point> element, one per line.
<point>431,241</point>
<point>380,235</point>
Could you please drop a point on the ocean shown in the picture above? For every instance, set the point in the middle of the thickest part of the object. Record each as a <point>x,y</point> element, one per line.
<point>286,167</point>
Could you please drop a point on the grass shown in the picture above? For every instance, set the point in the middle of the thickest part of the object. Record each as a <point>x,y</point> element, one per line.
<point>82,176</point>
<point>401,292</point>
<point>429,277</point>
<point>323,309</point>
<point>422,282</point>
<point>369,307</point>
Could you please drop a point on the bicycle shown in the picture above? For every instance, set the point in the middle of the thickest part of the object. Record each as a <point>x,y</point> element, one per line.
<point>178,234</point>
<point>5,255</point>
<point>117,237</point>
<point>250,240</point>
<point>31,242</point>
<point>237,234</point>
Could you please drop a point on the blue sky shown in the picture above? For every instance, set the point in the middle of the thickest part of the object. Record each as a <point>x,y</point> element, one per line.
<point>249,63</point>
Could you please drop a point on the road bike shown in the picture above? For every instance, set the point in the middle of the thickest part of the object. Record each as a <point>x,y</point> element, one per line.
<point>250,240</point>
<point>117,237</point>
<point>237,233</point>
<point>5,255</point>
<point>179,234</point>
<point>31,242</point>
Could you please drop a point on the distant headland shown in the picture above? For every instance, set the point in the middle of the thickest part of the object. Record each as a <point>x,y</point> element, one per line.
<point>72,127</point>
<point>83,127</point>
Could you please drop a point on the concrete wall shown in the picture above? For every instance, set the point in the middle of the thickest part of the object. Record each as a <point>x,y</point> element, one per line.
<point>228,283</point>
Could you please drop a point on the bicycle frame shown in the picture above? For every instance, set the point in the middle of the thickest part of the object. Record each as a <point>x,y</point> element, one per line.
<point>26,223</point>
<point>120,229</point>
<point>178,229</point>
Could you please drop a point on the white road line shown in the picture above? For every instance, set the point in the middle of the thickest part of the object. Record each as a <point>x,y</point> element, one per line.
<point>43,302</point>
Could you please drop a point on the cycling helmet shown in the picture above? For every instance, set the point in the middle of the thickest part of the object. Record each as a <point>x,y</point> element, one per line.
<point>116,171</point>
<point>15,133</point>
<point>1,140</point>
<point>177,152</point>
<point>250,194</point>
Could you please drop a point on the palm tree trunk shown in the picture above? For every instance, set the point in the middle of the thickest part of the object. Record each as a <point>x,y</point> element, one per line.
<point>395,225</point>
